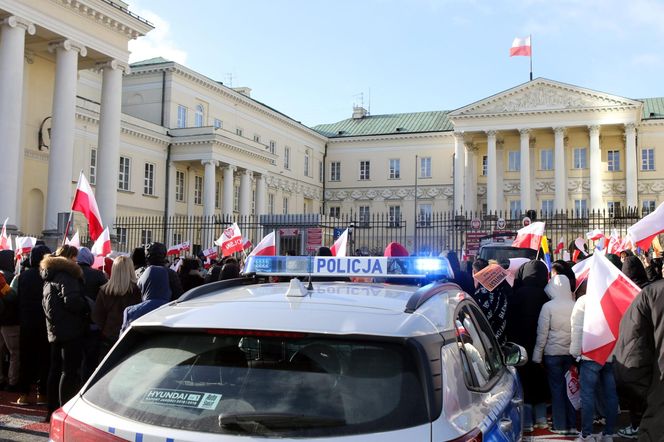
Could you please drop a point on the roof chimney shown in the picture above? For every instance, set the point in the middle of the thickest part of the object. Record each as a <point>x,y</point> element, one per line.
<point>359,112</point>
<point>243,90</point>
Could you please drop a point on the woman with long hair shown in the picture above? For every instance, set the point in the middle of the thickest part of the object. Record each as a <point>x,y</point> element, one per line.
<point>117,294</point>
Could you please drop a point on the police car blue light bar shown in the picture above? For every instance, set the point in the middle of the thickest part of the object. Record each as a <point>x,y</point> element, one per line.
<point>349,266</point>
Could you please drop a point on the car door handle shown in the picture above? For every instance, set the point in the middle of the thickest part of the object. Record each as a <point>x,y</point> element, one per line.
<point>517,402</point>
<point>506,425</point>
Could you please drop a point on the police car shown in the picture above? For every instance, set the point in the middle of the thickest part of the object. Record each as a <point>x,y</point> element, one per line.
<point>307,359</point>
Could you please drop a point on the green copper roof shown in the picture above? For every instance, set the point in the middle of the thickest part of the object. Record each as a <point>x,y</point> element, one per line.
<point>156,60</point>
<point>653,108</point>
<point>415,122</point>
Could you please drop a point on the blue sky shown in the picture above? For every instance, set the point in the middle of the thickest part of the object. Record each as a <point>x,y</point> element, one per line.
<point>310,59</point>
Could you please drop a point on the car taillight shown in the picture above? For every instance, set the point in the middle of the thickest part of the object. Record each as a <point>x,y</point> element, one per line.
<point>473,436</point>
<point>65,428</point>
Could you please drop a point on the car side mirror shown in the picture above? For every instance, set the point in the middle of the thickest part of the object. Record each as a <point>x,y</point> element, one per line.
<point>515,355</point>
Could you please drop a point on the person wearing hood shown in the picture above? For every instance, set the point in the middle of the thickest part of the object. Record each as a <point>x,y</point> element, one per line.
<point>552,347</point>
<point>493,303</point>
<point>190,275</point>
<point>67,319</point>
<point>155,255</point>
<point>461,278</point>
<point>524,305</point>
<point>9,325</point>
<point>155,292</point>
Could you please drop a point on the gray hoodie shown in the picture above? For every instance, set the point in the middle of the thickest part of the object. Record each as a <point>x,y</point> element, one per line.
<point>554,331</point>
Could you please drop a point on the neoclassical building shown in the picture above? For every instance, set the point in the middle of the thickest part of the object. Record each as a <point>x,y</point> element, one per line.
<point>156,138</point>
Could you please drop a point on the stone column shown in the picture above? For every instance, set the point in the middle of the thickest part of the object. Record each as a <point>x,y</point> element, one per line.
<point>60,159</point>
<point>260,194</point>
<point>500,167</point>
<point>491,173</point>
<point>596,201</point>
<point>471,178</point>
<point>459,171</point>
<point>191,190</point>
<point>108,152</point>
<point>631,173</point>
<point>560,179</point>
<point>12,51</point>
<point>227,202</point>
<point>526,183</point>
<point>172,175</point>
<point>209,181</point>
<point>245,193</point>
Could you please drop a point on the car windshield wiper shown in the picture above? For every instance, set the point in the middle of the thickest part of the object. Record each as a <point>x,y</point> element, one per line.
<point>279,420</point>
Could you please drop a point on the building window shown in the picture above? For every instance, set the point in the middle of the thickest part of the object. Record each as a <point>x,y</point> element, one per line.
<point>286,157</point>
<point>273,146</point>
<point>182,116</point>
<point>148,179</point>
<point>285,206</point>
<point>647,206</point>
<point>365,169</point>
<point>321,172</point>
<point>179,186</point>
<point>335,171</point>
<point>93,166</point>
<point>514,161</point>
<point>613,208</point>
<point>335,211</point>
<point>217,194</point>
<point>364,216</point>
<point>218,123</point>
<point>648,159</point>
<point>257,138</point>
<point>146,236</point>
<point>425,167</point>
<point>395,169</point>
<point>580,208</point>
<point>238,131</point>
<point>236,198</point>
<point>198,116</point>
<point>177,238</point>
<point>198,189</point>
<point>580,158</point>
<point>424,215</point>
<point>122,235</point>
<point>515,208</point>
<point>270,203</point>
<point>394,216</point>
<point>546,159</point>
<point>124,173</point>
<point>306,163</point>
<point>485,165</point>
<point>614,160</point>
<point>547,207</point>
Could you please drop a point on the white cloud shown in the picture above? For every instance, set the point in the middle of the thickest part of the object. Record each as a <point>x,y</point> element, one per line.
<point>157,43</point>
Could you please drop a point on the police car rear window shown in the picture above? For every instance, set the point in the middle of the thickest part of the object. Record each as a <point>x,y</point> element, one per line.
<point>246,383</point>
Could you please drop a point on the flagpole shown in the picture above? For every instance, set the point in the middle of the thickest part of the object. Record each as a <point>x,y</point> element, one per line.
<point>531,57</point>
<point>71,211</point>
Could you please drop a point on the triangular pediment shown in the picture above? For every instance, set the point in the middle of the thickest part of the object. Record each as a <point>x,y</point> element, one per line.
<point>542,95</point>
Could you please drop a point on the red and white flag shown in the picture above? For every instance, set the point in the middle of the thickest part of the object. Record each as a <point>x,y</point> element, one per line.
<point>581,270</point>
<point>246,243</point>
<point>608,295</point>
<point>178,248</point>
<point>230,240</point>
<point>24,244</point>
<point>211,252</point>
<point>614,242</point>
<point>561,245</point>
<point>74,241</point>
<point>339,246</point>
<point>521,46</point>
<point>5,241</point>
<point>626,244</point>
<point>84,202</point>
<point>266,247</point>
<point>102,245</point>
<point>595,235</point>
<point>644,231</point>
<point>529,237</point>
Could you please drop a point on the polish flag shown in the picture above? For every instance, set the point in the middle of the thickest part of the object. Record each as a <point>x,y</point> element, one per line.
<point>595,235</point>
<point>339,246</point>
<point>642,233</point>
<point>581,270</point>
<point>102,245</point>
<point>266,247</point>
<point>608,295</point>
<point>24,244</point>
<point>626,244</point>
<point>614,242</point>
<point>230,240</point>
<point>178,248</point>
<point>246,243</point>
<point>560,245</point>
<point>84,202</point>
<point>211,252</point>
<point>530,236</point>
<point>5,241</point>
<point>521,46</point>
<point>74,241</point>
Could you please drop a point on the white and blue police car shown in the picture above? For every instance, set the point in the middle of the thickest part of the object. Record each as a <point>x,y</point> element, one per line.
<point>309,359</point>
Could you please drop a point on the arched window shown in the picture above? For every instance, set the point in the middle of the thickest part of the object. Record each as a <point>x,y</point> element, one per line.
<point>198,119</point>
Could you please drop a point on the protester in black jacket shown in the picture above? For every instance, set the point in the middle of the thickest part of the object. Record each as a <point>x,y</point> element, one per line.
<point>155,255</point>
<point>493,303</point>
<point>67,318</point>
<point>9,328</point>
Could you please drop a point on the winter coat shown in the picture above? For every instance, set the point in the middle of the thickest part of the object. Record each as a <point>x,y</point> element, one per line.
<point>67,312</point>
<point>523,310</point>
<point>639,353</point>
<point>494,306</point>
<point>634,270</point>
<point>109,308</point>
<point>94,279</point>
<point>553,326</point>
<point>29,287</point>
<point>10,313</point>
<point>191,279</point>
<point>155,292</point>
<point>173,281</point>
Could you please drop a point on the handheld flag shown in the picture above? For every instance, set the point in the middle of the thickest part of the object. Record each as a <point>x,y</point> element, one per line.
<point>560,245</point>
<point>5,241</point>
<point>84,202</point>
<point>339,246</point>
<point>74,241</point>
<point>530,236</point>
<point>246,243</point>
<point>644,231</point>
<point>24,244</point>
<point>265,247</point>
<point>581,270</point>
<point>614,242</point>
<point>595,235</point>
<point>230,240</point>
<point>178,248</point>
<point>102,245</point>
<point>210,253</point>
<point>545,249</point>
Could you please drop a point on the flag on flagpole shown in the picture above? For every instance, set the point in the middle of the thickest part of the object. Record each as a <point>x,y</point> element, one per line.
<point>521,47</point>
<point>644,231</point>
<point>5,241</point>
<point>545,249</point>
<point>339,246</point>
<point>230,240</point>
<point>265,247</point>
<point>608,294</point>
<point>529,237</point>
<point>560,245</point>
<point>178,248</point>
<point>102,245</point>
<point>84,202</point>
<point>74,241</point>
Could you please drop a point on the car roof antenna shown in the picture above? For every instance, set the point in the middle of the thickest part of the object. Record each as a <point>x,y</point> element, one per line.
<point>310,287</point>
